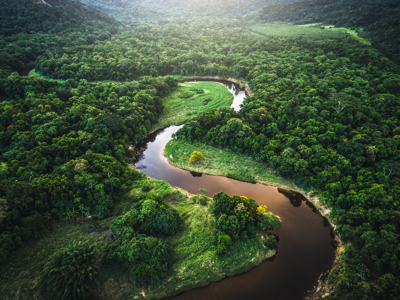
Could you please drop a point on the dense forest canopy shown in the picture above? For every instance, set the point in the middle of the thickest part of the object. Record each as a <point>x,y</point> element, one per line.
<point>52,16</point>
<point>325,112</point>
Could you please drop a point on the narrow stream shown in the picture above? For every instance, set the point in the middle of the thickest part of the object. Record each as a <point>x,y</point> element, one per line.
<point>306,241</point>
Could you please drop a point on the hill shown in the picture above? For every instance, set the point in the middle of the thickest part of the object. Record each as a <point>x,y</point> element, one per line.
<point>52,16</point>
<point>128,10</point>
<point>380,20</point>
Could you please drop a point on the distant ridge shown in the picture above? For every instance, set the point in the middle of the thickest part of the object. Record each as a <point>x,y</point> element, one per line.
<point>379,19</point>
<point>129,10</point>
<point>52,16</point>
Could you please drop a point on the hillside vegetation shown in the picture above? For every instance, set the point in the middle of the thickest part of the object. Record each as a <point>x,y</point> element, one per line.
<point>378,20</point>
<point>133,10</point>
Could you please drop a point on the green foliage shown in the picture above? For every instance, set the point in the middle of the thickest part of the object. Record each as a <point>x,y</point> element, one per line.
<point>204,191</point>
<point>68,148</point>
<point>203,201</point>
<point>55,16</point>
<point>382,29</point>
<point>146,188</point>
<point>268,221</point>
<point>237,217</point>
<point>148,258</point>
<point>224,243</point>
<point>178,109</point>
<point>271,242</point>
<point>71,271</point>
<point>196,156</point>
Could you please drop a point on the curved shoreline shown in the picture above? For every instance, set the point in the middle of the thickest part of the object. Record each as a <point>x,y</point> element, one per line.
<point>321,289</point>
<point>312,202</point>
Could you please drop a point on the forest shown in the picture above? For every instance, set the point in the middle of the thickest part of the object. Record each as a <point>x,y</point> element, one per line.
<point>325,113</point>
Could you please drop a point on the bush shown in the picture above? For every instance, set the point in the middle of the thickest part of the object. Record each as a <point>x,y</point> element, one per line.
<point>155,219</point>
<point>71,271</point>
<point>271,242</point>
<point>224,243</point>
<point>196,156</point>
<point>269,221</point>
<point>203,201</point>
<point>148,259</point>
<point>146,188</point>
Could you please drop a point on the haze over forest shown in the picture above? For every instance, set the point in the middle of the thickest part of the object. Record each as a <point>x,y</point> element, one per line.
<point>83,83</point>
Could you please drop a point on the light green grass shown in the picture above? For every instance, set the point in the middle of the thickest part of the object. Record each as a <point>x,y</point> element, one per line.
<point>196,262</point>
<point>353,33</point>
<point>225,163</point>
<point>183,104</point>
<point>289,30</point>
<point>36,74</point>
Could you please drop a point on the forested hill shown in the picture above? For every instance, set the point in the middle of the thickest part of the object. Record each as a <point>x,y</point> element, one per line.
<point>52,16</point>
<point>379,19</point>
<point>130,10</point>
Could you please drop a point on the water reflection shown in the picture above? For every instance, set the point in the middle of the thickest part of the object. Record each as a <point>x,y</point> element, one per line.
<point>295,198</point>
<point>195,174</point>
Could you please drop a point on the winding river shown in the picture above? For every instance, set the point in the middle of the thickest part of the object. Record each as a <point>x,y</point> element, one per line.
<point>306,241</point>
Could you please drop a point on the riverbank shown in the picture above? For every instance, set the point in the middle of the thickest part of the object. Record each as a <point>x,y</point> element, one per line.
<point>226,163</point>
<point>197,263</point>
<point>223,162</point>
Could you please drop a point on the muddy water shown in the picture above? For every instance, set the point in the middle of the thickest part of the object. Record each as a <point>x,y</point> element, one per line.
<point>306,242</point>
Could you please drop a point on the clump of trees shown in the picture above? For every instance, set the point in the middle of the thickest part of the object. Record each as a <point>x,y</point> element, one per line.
<point>71,271</point>
<point>196,157</point>
<point>238,218</point>
<point>139,243</point>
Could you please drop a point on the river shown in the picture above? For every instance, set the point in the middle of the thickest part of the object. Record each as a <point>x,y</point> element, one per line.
<point>305,248</point>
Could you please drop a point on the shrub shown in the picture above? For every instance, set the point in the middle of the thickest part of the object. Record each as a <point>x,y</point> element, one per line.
<point>204,191</point>
<point>146,188</point>
<point>271,242</point>
<point>155,219</point>
<point>224,242</point>
<point>71,271</point>
<point>148,259</point>
<point>269,221</point>
<point>261,210</point>
<point>203,201</point>
<point>196,156</point>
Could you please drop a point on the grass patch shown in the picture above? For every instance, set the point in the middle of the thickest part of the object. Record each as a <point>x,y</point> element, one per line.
<point>192,99</point>
<point>36,74</point>
<point>196,265</point>
<point>224,163</point>
<point>288,30</point>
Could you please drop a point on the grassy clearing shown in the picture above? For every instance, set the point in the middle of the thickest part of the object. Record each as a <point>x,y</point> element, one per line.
<point>192,99</point>
<point>34,73</point>
<point>224,163</point>
<point>289,30</point>
<point>196,262</point>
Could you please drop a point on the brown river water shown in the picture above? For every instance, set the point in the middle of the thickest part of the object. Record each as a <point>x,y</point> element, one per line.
<point>306,242</point>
